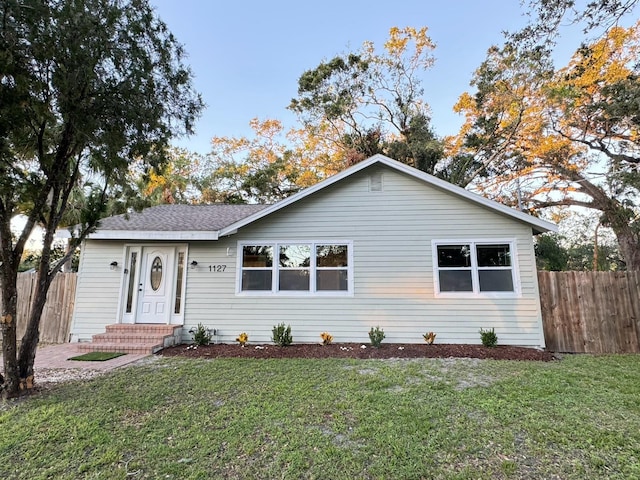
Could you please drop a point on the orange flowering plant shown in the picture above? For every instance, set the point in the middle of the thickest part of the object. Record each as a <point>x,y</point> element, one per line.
<point>242,339</point>
<point>326,337</point>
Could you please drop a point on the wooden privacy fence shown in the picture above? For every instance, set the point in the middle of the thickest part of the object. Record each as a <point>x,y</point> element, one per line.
<point>55,324</point>
<point>591,312</point>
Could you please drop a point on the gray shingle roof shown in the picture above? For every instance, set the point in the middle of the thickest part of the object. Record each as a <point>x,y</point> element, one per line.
<point>174,218</point>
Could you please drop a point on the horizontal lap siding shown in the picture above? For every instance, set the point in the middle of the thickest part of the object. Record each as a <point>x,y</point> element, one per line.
<point>393,272</point>
<point>98,288</point>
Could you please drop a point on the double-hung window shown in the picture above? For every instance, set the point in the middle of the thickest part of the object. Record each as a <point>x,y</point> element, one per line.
<point>295,267</point>
<point>482,268</point>
<point>257,267</point>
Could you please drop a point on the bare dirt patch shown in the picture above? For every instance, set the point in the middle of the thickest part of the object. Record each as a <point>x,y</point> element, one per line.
<point>356,350</point>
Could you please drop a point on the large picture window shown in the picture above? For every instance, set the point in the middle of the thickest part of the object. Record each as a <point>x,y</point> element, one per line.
<point>474,267</point>
<point>298,267</point>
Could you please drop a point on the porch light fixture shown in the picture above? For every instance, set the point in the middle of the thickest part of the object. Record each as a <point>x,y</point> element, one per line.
<point>194,264</point>
<point>113,265</point>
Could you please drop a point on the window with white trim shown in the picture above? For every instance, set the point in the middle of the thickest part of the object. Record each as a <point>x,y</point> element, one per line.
<point>474,267</point>
<point>295,267</point>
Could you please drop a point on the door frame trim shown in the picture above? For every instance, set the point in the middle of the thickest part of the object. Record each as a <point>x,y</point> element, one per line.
<point>173,318</point>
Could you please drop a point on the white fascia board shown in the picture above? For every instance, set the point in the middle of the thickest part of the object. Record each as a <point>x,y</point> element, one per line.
<point>152,235</point>
<point>538,225</point>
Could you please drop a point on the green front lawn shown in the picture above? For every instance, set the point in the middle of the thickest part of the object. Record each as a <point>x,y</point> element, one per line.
<point>350,419</point>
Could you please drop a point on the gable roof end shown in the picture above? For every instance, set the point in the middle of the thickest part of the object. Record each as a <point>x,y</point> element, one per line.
<point>538,225</point>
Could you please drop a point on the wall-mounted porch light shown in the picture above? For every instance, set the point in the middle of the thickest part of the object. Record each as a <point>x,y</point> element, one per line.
<point>194,264</point>
<point>113,265</point>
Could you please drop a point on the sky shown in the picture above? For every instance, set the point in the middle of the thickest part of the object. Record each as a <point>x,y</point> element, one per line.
<point>247,56</point>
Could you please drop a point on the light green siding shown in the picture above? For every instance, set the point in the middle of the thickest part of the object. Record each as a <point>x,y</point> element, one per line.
<point>98,288</point>
<point>391,233</point>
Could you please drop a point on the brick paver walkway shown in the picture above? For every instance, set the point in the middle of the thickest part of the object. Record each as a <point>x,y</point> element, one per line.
<point>57,356</point>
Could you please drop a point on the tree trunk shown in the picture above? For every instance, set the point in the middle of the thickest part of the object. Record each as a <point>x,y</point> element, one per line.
<point>619,218</point>
<point>29,344</point>
<point>11,386</point>
<point>629,244</point>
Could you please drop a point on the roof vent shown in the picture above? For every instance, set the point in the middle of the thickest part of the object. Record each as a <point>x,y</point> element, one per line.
<point>375,182</point>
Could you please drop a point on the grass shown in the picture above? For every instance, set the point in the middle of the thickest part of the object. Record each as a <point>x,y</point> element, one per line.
<point>338,419</point>
<point>97,356</point>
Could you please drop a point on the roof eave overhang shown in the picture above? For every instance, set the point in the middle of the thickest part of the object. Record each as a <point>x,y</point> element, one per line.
<point>538,231</point>
<point>152,235</point>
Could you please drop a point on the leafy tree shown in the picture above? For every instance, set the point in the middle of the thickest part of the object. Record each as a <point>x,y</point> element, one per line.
<point>550,254</point>
<point>261,175</point>
<point>174,181</point>
<point>589,244</point>
<point>85,88</point>
<point>370,102</point>
<point>559,253</point>
<point>419,146</point>
<point>561,138</point>
<point>548,16</point>
<point>350,108</point>
<point>31,258</point>
<point>271,165</point>
<point>503,116</point>
<point>583,257</point>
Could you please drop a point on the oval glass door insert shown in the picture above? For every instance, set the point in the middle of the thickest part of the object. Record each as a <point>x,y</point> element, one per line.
<point>156,273</point>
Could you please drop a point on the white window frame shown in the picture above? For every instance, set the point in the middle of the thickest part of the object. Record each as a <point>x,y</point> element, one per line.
<point>475,280</point>
<point>312,292</point>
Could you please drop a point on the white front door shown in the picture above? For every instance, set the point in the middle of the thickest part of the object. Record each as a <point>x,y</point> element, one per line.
<point>155,284</point>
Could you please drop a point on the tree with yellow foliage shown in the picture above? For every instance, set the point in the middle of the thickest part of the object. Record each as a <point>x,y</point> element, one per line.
<point>370,101</point>
<point>351,107</point>
<point>269,166</point>
<point>175,181</point>
<point>560,138</point>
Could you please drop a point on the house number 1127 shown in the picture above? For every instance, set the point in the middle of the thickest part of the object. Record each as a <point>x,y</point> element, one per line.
<point>217,268</point>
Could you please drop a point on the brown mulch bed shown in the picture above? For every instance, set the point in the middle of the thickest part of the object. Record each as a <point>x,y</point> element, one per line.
<point>355,350</point>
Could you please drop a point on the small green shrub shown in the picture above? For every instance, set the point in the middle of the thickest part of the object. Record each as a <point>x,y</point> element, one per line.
<point>282,335</point>
<point>376,335</point>
<point>488,337</point>
<point>201,335</point>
